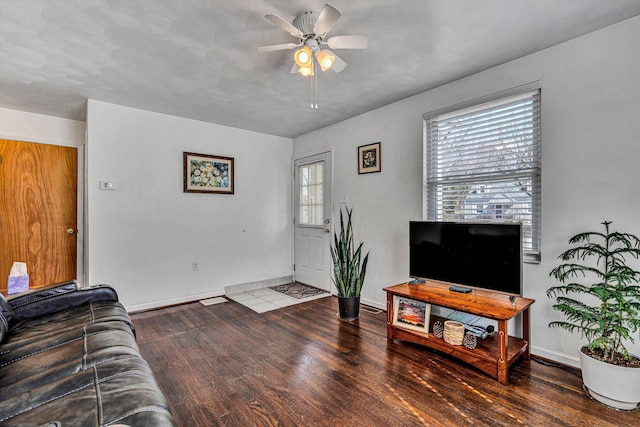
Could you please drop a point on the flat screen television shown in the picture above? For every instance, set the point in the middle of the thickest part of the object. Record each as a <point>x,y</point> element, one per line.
<point>481,255</point>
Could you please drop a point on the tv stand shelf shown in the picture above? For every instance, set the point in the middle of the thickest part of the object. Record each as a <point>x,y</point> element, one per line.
<point>494,354</point>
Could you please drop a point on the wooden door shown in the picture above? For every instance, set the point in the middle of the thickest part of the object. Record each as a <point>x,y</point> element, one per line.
<point>38,211</point>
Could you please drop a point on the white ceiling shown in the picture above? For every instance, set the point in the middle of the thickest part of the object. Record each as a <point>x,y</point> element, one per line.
<point>198,58</point>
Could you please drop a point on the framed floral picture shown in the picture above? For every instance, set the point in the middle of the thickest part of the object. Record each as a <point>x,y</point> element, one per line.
<point>204,173</point>
<point>369,158</point>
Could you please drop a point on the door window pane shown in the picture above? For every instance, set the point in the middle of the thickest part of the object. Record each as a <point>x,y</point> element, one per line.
<point>311,191</point>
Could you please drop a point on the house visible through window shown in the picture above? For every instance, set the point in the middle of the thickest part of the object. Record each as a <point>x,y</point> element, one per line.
<point>482,163</point>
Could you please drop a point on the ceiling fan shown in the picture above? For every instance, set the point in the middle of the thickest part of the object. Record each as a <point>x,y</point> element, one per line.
<point>311,29</point>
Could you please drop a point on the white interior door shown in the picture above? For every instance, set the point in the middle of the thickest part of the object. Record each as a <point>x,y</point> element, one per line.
<point>312,234</point>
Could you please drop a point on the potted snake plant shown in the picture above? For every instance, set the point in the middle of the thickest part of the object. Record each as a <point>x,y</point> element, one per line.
<point>607,314</point>
<point>349,268</point>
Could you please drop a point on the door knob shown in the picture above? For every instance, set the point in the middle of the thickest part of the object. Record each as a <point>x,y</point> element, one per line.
<point>71,231</point>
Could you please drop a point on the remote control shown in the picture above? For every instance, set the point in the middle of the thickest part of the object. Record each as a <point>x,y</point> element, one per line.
<point>460,289</point>
<point>478,331</point>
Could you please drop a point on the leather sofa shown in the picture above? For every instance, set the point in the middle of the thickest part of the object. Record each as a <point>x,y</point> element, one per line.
<point>68,357</point>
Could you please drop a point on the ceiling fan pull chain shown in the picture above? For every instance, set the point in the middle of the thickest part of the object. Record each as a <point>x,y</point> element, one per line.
<point>314,91</point>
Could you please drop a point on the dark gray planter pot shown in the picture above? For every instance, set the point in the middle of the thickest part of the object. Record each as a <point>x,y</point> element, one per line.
<point>349,308</point>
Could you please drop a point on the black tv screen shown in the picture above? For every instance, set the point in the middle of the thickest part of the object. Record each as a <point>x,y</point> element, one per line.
<point>483,255</point>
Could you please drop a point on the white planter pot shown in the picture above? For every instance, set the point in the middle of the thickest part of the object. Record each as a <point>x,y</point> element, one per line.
<point>616,386</point>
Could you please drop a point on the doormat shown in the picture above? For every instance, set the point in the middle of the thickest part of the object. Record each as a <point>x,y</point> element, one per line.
<point>298,290</point>
<point>211,301</point>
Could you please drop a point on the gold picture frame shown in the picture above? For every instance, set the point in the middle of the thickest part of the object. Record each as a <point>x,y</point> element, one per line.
<point>369,160</point>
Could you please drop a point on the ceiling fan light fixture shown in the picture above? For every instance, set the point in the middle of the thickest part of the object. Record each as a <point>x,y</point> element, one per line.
<point>311,29</point>
<point>306,71</point>
<point>325,59</point>
<point>303,57</point>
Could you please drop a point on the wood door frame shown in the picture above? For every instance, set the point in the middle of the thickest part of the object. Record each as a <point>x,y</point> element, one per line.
<point>81,196</point>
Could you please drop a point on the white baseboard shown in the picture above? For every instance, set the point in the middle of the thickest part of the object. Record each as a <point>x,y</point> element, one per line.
<point>373,304</point>
<point>174,301</point>
<point>556,357</point>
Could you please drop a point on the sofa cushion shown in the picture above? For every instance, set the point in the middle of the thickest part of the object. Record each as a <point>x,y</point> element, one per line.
<point>6,316</point>
<point>43,327</point>
<point>62,296</point>
<point>35,364</point>
<point>49,347</point>
<point>118,391</point>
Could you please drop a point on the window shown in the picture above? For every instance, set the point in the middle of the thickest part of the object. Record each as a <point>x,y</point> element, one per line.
<point>482,163</point>
<point>311,189</point>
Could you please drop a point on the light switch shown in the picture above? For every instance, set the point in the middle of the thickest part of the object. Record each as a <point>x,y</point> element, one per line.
<point>107,185</point>
<point>343,199</point>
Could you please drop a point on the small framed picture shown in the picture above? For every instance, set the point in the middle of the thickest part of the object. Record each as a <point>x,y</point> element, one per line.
<point>411,314</point>
<point>369,158</point>
<point>204,173</point>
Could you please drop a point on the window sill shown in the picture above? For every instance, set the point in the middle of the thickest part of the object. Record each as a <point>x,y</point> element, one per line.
<point>532,258</point>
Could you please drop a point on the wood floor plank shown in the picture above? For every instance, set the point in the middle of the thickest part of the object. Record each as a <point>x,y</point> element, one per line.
<point>225,365</point>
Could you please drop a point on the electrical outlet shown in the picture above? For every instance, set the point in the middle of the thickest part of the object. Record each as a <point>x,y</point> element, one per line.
<point>194,266</point>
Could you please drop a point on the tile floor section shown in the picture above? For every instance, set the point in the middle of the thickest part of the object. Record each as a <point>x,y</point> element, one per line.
<point>264,299</point>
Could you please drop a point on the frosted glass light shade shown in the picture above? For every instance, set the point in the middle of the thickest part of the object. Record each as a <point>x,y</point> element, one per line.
<point>303,57</point>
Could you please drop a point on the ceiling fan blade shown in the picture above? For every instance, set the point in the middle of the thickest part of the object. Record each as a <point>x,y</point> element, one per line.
<point>338,64</point>
<point>328,17</point>
<point>288,27</point>
<point>348,42</point>
<point>275,47</point>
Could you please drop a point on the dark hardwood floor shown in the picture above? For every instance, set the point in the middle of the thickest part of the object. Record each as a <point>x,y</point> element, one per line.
<point>300,366</point>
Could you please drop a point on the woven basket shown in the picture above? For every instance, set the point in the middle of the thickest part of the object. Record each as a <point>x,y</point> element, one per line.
<point>453,332</point>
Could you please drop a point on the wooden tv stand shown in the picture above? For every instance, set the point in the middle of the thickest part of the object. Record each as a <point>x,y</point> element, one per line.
<point>493,354</point>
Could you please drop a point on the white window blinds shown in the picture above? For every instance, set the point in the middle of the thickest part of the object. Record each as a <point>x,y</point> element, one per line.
<point>482,163</point>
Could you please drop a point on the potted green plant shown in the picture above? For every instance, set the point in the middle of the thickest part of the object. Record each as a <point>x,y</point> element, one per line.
<point>349,269</point>
<point>607,314</point>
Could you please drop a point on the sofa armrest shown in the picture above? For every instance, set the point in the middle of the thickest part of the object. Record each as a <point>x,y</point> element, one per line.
<point>58,297</point>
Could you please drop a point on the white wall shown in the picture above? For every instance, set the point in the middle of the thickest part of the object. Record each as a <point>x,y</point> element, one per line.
<point>145,235</point>
<point>30,127</point>
<point>590,161</point>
